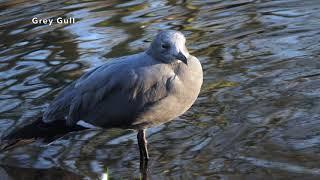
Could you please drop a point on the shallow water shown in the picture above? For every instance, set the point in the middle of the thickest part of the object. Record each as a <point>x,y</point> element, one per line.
<point>257,117</point>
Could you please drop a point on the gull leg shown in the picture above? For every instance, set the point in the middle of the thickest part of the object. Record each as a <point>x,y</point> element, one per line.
<point>142,141</point>
<point>144,156</point>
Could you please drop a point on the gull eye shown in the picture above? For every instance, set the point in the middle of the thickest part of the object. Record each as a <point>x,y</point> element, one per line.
<point>165,46</point>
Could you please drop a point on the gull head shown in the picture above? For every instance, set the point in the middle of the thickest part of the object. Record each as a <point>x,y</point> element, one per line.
<point>169,46</point>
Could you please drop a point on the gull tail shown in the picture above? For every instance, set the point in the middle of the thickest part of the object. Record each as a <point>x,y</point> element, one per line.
<point>36,130</point>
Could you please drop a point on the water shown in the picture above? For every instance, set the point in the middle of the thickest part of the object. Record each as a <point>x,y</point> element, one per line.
<point>257,117</point>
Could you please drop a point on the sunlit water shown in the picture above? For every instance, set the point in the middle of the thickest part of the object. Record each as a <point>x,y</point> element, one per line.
<point>257,117</point>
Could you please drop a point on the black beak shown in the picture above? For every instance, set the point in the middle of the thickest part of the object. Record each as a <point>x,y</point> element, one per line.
<point>182,58</point>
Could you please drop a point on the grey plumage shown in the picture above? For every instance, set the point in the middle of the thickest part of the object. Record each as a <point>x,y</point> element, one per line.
<point>136,91</point>
<point>133,92</point>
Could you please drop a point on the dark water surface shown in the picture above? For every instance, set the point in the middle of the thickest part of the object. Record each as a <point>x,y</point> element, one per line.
<point>258,115</point>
